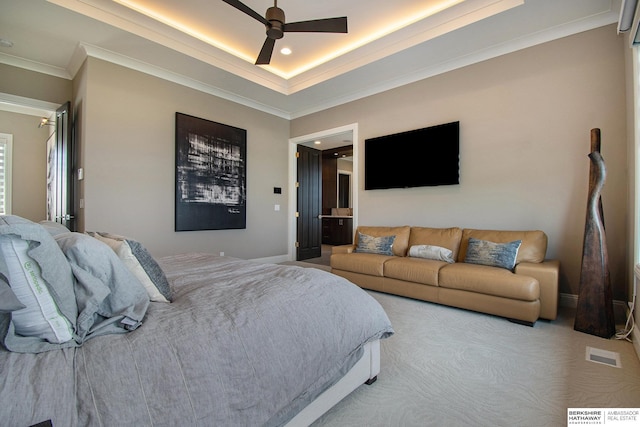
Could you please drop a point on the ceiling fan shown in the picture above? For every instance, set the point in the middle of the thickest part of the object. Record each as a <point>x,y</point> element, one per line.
<point>276,27</point>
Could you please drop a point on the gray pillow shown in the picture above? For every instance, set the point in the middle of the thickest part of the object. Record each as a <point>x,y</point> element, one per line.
<point>41,316</point>
<point>151,267</point>
<point>110,298</point>
<point>437,253</point>
<point>501,255</point>
<point>56,273</point>
<point>8,300</point>
<point>54,228</point>
<point>140,262</point>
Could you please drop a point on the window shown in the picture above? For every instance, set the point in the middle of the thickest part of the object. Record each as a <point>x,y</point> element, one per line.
<point>6,143</point>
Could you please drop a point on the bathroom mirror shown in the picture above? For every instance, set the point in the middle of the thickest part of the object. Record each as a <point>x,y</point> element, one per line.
<point>344,183</point>
<point>344,189</point>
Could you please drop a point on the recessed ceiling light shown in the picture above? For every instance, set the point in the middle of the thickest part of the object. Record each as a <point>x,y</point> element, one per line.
<point>285,51</point>
<point>317,142</point>
<point>6,43</point>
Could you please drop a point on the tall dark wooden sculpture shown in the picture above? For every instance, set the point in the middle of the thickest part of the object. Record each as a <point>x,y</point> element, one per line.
<point>594,314</point>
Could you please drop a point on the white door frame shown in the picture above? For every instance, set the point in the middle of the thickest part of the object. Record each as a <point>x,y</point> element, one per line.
<point>7,140</point>
<point>293,194</point>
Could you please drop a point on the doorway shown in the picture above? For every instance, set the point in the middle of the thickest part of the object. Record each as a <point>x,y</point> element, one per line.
<point>61,164</point>
<point>309,201</point>
<point>33,111</point>
<point>352,132</point>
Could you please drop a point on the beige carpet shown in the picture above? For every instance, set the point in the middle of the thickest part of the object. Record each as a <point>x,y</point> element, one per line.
<point>451,367</point>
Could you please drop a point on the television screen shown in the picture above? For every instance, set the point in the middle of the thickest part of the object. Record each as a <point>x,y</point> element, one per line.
<point>417,158</point>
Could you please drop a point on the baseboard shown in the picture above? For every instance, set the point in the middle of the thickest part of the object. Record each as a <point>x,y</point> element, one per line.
<point>568,300</point>
<point>620,308</point>
<point>273,260</point>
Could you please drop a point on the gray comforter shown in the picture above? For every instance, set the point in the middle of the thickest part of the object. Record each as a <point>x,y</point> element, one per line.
<point>242,344</point>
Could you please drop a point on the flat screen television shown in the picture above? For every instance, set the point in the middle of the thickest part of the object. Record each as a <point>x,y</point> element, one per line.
<point>418,158</point>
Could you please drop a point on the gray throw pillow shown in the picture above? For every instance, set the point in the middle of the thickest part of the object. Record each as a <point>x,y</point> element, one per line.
<point>493,254</point>
<point>375,245</point>
<point>151,267</point>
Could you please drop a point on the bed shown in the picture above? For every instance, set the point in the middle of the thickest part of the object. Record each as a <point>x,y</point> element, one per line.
<point>234,343</point>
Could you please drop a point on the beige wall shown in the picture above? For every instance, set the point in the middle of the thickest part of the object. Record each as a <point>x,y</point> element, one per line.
<point>127,139</point>
<point>78,114</point>
<point>30,84</point>
<point>525,134</point>
<point>29,164</point>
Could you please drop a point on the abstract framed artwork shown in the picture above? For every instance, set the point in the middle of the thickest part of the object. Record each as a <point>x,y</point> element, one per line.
<point>211,165</point>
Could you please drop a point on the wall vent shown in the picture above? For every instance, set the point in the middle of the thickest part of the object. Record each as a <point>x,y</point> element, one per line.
<point>603,357</point>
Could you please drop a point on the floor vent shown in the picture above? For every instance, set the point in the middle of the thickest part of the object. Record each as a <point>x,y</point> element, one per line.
<point>604,357</point>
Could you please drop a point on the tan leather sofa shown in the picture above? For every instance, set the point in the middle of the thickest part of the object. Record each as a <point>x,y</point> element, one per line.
<point>523,295</point>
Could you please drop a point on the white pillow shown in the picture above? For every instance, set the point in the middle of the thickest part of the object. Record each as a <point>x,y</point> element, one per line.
<point>123,250</point>
<point>40,317</point>
<point>432,252</point>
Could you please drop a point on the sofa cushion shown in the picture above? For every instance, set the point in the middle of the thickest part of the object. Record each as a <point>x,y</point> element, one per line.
<point>363,263</point>
<point>374,245</point>
<point>401,242</point>
<point>532,249</point>
<point>445,237</point>
<point>415,270</point>
<point>484,252</point>
<point>489,280</point>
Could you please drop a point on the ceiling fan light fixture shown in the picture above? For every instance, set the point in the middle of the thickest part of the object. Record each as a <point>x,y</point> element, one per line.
<point>276,26</point>
<point>275,16</point>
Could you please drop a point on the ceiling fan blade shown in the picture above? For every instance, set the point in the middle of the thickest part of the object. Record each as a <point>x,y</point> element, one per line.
<point>246,9</point>
<point>329,25</point>
<point>264,58</point>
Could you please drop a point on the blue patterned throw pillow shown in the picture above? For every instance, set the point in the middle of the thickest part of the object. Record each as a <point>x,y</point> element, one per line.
<point>501,255</point>
<point>375,245</point>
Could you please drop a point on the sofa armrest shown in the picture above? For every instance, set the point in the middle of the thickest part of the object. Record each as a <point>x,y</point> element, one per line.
<point>547,273</point>
<point>342,249</point>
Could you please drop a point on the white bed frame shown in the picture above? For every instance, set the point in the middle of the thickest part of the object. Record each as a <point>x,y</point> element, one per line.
<point>365,370</point>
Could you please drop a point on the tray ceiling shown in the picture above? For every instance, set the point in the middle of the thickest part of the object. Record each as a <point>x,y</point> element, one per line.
<point>210,46</point>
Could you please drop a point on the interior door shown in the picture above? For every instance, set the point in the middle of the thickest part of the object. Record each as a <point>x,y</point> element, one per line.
<point>309,226</point>
<point>61,188</point>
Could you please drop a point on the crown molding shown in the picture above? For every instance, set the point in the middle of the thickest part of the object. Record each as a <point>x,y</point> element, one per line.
<point>86,50</point>
<point>572,28</point>
<point>439,24</point>
<point>142,26</point>
<point>29,106</point>
<point>34,66</point>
